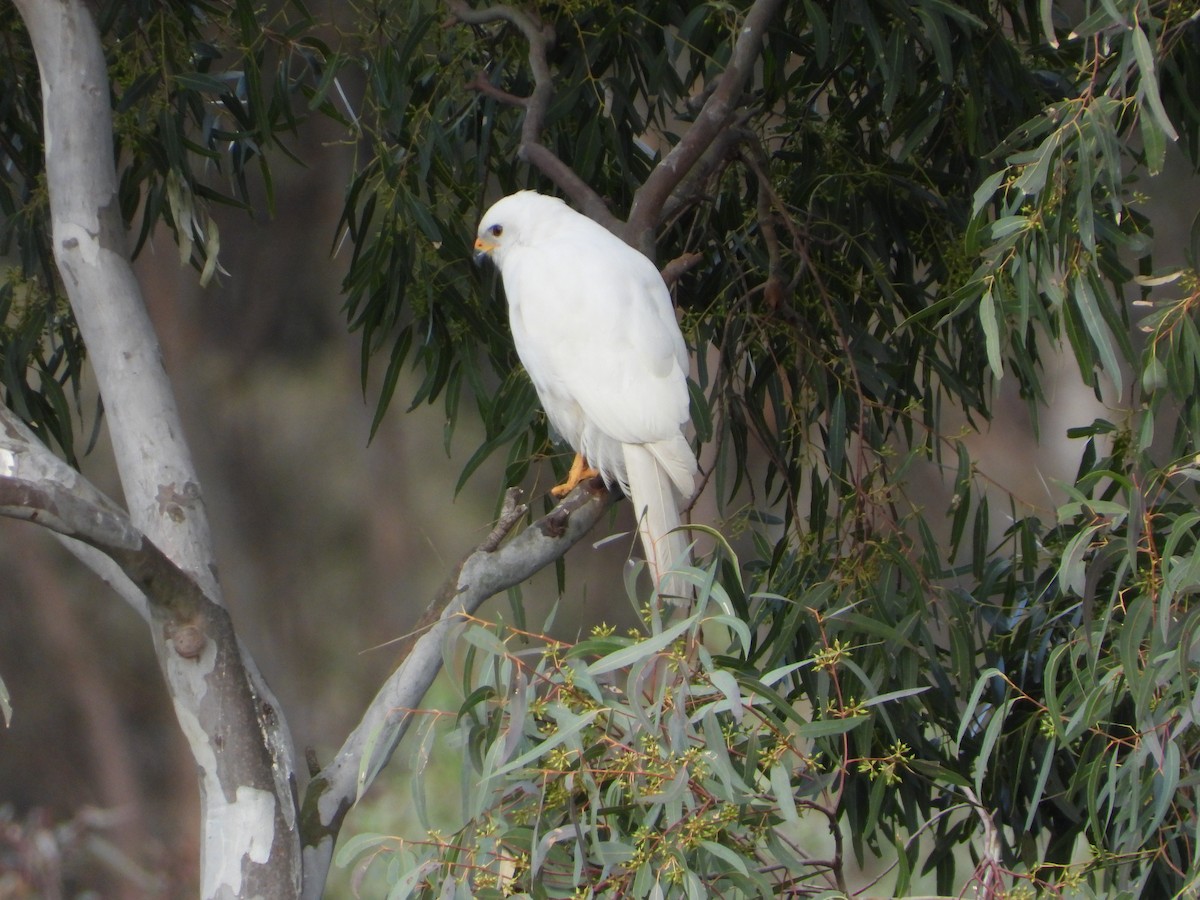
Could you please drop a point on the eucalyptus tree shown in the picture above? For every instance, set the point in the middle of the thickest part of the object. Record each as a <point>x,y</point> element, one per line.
<point>871,214</point>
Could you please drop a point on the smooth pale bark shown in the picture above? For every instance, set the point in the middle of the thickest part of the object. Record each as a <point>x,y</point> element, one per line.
<point>231,722</point>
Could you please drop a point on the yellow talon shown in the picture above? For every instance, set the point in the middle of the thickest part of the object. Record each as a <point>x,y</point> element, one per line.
<point>580,471</point>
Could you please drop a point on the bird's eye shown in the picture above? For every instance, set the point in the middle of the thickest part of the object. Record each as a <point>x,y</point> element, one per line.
<point>496,230</point>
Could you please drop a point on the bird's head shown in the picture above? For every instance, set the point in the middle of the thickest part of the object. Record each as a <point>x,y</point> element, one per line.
<point>489,242</point>
<point>513,220</point>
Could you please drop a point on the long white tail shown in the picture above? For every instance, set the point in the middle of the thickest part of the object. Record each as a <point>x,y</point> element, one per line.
<point>657,476</point>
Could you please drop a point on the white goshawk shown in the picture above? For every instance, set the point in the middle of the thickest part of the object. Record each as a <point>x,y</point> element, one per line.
<point>593,324</point>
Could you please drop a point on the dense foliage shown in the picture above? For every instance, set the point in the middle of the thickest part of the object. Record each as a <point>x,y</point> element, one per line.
<point>915,200</point>
<point>911,201</point>
<point>200,93</point>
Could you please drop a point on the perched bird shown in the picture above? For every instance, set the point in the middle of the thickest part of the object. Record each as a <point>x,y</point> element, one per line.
<point>593,324</point>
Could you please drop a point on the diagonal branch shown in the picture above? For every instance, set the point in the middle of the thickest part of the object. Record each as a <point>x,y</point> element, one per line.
<point>178,600</point>
<point>79,509</point>
<point>108,572</point>
<point>231,722</point>
<point>715,116</point>
<point>482,574</point>
<point>540,38</point>
<point>73,504</point>
<point>705,146</point>
<point>692,188</point>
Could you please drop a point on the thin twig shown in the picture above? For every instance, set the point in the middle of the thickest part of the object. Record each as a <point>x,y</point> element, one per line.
<point>511,513</point>
<point>755,158</point>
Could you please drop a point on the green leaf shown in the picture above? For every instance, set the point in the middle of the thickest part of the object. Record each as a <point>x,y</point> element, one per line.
<point>407,883</point>
<point>568,726</point>
<point>1035,170</point>
<point>822,728</point>
<point>937,34</point>
<point>1039,788</point>
<point>1148,85</point>
<point>889,696</point>
<point>836,436</point>
<point>642,650</point>
<point>992,731</point>
<point>486,640</point>
<point>700,412</point>
<point>1087,303</point>
<point>1154,144</point>
<point>1046,16</point>
<point>782,791</point>
<point>989,318</point>
<point>985,192</point>
<point>727,856</point>
<point>968,718</point>
<point>356,846</point>
<point>1072,573</point>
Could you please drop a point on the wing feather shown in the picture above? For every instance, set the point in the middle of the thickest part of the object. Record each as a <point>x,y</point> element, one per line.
<point>626,370</point>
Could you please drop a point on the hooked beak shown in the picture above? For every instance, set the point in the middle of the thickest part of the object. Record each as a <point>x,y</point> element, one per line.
<point>483,250</point>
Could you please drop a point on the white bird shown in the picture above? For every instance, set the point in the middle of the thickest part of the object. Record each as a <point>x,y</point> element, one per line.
<point>593,324</point>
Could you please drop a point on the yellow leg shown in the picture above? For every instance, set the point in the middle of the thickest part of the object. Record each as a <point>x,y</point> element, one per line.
<point>580,470</point>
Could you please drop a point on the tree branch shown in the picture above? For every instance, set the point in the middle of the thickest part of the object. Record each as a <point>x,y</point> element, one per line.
<point>756,160</point>
<point>540,39</point>
<point>108,572</point>
<point>714,117</point>
<point>482,573</point>
<point>231,724</point>
<point>692,189</point>
<point>69,504</point>
<point>680,266</point>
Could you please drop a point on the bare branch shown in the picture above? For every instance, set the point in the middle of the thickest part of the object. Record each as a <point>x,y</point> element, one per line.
<point>755,158</point>
<point>692,190</point>
<point>178,599</point>
<point>67,503</point>
<point>108,572</point>
<point>228,716</point>
<point>680,266</point>
<point>540,39</point>
<point>511,513</point>
<point>585,199</point>
<point>714,117</point>
<point>482,574</point>
<point>482,84</point>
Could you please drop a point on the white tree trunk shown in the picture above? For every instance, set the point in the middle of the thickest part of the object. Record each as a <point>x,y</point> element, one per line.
<point>232,724</point>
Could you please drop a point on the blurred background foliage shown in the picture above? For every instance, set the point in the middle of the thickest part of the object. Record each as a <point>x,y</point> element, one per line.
<point>913,211</point>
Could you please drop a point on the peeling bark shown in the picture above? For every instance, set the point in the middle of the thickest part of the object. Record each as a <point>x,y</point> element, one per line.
<point>236,735</point>
<point>231,721</point>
